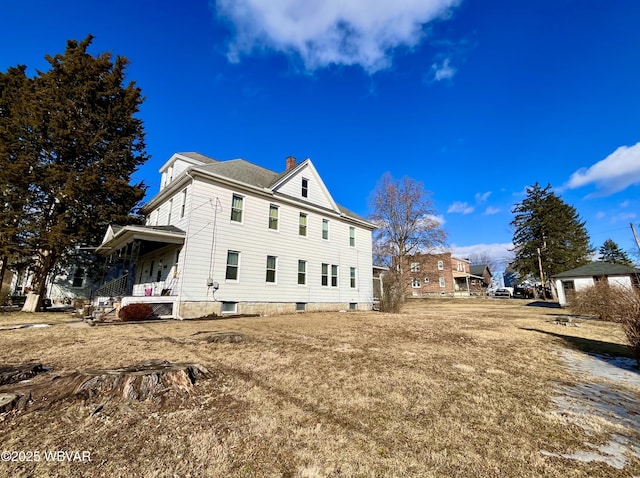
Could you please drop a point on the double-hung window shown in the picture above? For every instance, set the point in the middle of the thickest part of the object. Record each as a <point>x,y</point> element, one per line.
<point>233,263</point>
<point>352,277</point>
<point>236,208</point>
<point>302,272</point>
<point>325,229</point>
<point>334,276</point>
<point>325,274</point>
<point>184,203</point>
<point>305,188</point>
<point>272,262</point>
<point>302,224</point>
<point>273,217</point>
<point>352,236</point>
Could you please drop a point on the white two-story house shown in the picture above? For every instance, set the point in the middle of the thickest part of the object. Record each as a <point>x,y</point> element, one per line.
<point>231,237</point>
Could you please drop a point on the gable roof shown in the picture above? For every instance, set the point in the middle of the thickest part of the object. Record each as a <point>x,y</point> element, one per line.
<point>252,175</point>
<point>117,236</point>
<point>243,171</point>
<point>599,269</point>
<point>478,270</point>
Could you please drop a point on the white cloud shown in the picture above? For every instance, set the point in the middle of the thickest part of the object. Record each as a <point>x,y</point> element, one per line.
<point>482,197</point>
<point>625,203</point>
<point>491,210</point>
<point>443,71</point>
<point>616,172</point>
<point>321,33</point>
<point>600,215</point>
<point>500,253</point>
<point>460,207</point>
<point>623,216</point>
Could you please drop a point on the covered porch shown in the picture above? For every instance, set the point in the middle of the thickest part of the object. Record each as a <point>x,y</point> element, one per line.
<point>140,261</point>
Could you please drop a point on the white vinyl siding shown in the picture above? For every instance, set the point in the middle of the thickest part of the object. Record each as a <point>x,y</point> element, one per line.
<point>207,248</point>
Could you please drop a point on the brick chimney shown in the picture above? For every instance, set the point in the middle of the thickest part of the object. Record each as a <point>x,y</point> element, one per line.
<point>290,162</point>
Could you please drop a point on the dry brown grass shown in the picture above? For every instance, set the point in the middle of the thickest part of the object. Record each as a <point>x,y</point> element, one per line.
<point>447,388</point>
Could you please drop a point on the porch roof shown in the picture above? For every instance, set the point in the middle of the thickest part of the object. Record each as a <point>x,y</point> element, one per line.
<point>120,236</point>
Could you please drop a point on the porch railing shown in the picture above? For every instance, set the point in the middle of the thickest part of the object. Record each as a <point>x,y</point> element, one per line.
<point>114,288</point>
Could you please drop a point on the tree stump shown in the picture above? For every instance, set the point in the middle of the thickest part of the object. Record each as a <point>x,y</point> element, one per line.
<point>18,373</point>
<point>139,382</point>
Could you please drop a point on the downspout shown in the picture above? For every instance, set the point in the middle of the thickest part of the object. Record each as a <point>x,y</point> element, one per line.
<point>184,256</point>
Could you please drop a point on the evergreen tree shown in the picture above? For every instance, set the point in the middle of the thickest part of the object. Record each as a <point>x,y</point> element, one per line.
<point>80,137</point>
<point>16,171</point>
<point>543,222</point>
<point>611,252</point>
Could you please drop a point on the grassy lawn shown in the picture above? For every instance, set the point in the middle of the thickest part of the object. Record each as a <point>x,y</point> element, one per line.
<point>447,388</point>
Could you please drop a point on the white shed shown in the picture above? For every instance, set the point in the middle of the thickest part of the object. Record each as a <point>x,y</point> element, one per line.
<point>571,281</point>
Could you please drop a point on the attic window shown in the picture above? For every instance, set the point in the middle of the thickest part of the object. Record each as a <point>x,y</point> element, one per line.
<point>305,187</point>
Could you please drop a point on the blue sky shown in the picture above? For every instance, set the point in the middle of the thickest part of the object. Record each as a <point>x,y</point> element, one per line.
<point>477,99</point>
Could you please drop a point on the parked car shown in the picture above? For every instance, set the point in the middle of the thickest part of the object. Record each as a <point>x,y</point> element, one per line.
<point>502,293</point>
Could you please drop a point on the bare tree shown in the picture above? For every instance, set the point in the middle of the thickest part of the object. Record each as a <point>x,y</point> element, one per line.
<point>407,223</point>
<point>483,259</point>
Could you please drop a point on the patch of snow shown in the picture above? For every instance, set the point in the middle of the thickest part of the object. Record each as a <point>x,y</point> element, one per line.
<point>609,391</point>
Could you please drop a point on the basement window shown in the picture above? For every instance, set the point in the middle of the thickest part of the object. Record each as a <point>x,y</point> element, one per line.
<point>229,307</point>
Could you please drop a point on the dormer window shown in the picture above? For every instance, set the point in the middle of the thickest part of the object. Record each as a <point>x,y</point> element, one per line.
<point>305,188</point>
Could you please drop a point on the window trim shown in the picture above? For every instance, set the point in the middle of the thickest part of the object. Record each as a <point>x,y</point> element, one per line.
<point>237,267</point>
<point>440,265</point>
<point>303,227</point>
<point>353,278</point>
<point>325,230</point>
<point>304,188</point>
<point>302,273</point>
<point>274,220</point>
<point>416,283</point>
<point>234,311</point>
<point>334,275</point>
<point>352,236</point>
<point>237,211</point>
<point>441,282</point>
<point>184,202</point>
<point>324,275</point>
<point>274,270</point>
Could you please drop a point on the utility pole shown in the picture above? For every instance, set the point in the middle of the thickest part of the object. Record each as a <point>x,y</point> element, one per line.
<point>544,295</point>
<point>635,236</point>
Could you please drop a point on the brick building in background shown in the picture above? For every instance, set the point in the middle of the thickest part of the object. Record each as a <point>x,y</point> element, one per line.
<point>432,275</point>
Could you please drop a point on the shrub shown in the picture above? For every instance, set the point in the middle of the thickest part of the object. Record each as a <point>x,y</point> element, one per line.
<point>613,303</point>
<point>393,292</point>
<point>133,312</point>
